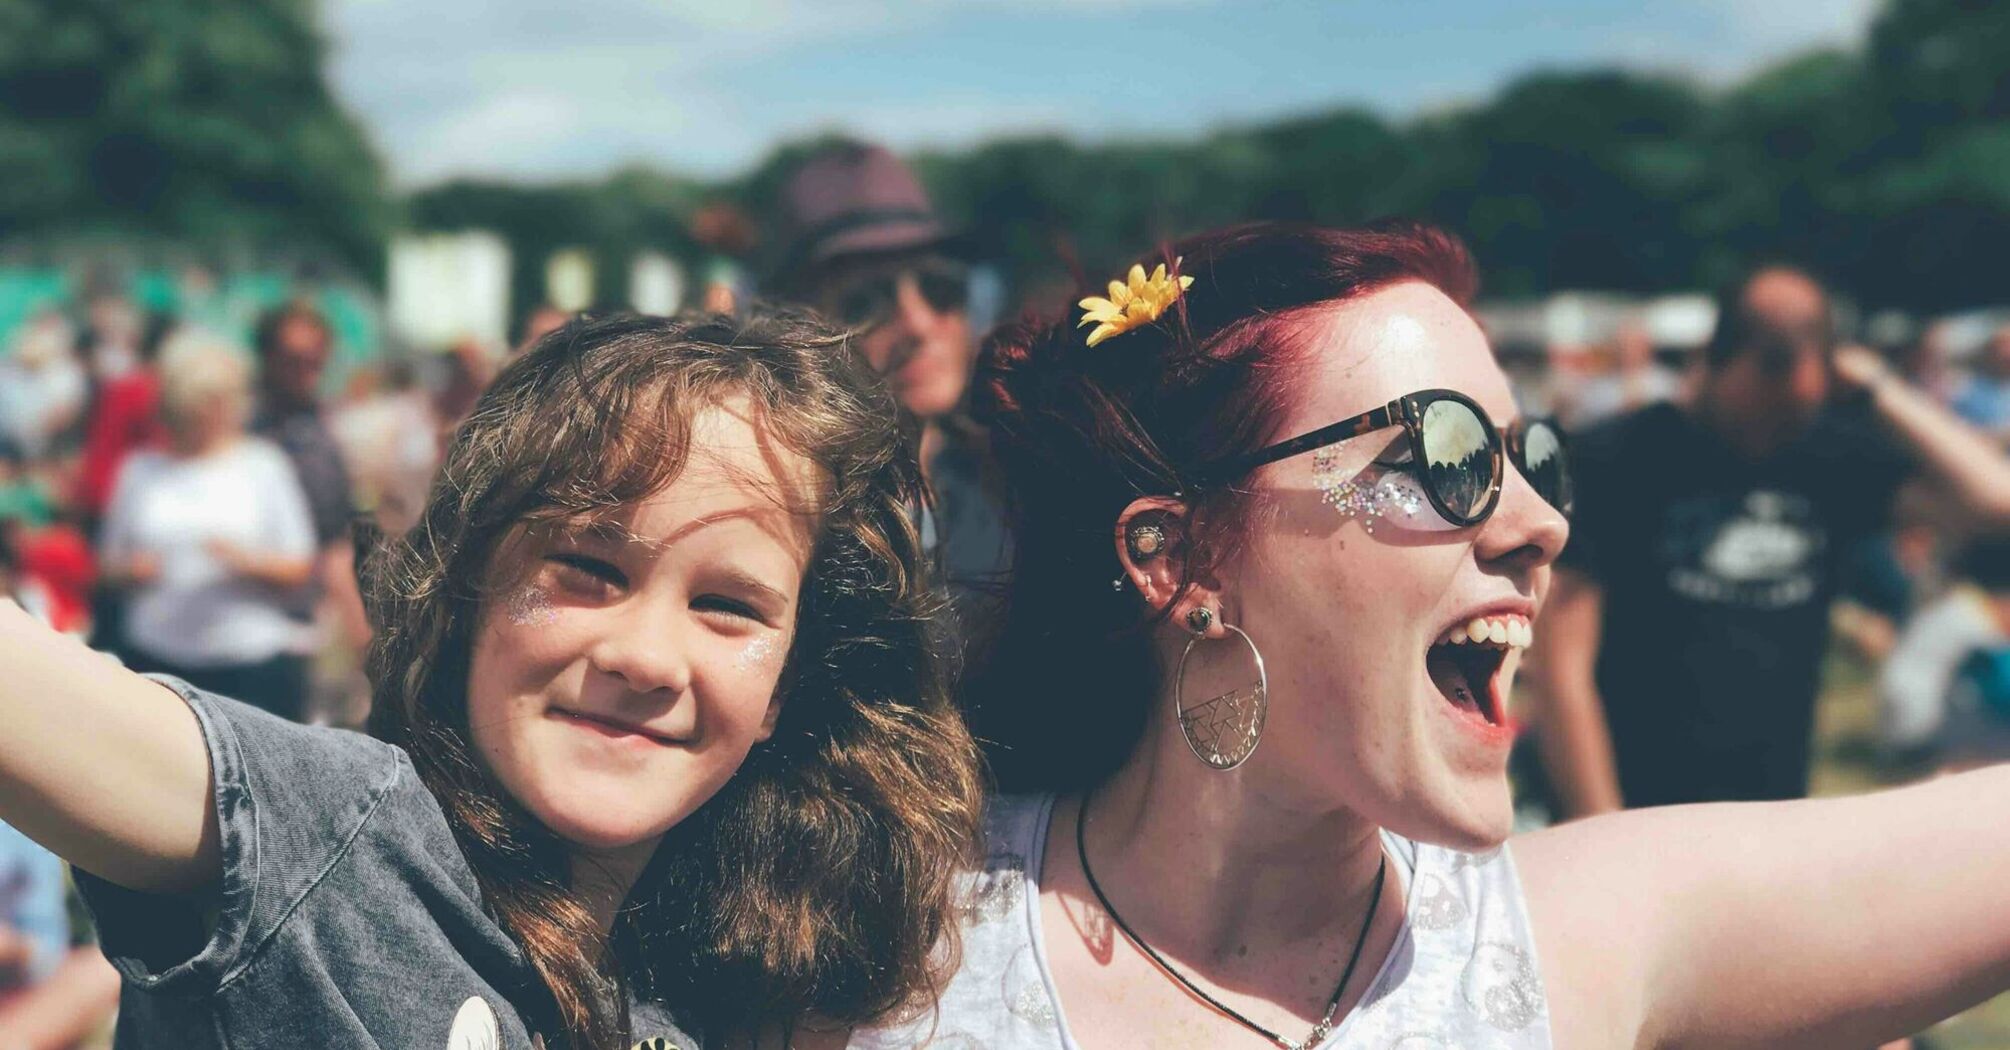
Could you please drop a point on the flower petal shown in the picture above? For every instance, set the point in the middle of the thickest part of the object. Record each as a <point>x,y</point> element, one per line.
<point>1120,293</point>
<point>1159,274</point>
<point>1103,332</point>
<point>1095,302</point>
<point>1137,279</point>
<point>1185,282</point>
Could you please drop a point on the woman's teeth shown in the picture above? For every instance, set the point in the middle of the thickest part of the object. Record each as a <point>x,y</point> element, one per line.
<point>1513,632</point>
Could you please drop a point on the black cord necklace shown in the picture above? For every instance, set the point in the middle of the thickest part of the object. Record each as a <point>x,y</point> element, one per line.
<point>1319,1031</point>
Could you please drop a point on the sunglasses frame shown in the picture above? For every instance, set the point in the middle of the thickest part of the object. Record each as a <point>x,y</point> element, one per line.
<point>1407,412</point>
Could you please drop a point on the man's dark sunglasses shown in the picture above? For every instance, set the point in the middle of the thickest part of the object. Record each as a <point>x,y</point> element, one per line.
<point>870,300</point>
<point>1457,453</point>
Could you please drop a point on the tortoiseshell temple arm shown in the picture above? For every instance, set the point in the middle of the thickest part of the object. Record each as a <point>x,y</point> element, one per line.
<point>1388,415</point>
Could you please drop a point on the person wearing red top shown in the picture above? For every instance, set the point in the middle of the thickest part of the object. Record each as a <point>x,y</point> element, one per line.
<point>126,416</point>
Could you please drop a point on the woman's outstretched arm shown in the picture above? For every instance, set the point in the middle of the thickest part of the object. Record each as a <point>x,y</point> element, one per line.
<point>101,766</point>
<point>1834,922</point>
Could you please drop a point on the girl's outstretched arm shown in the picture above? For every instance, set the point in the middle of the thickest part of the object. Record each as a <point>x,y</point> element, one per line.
<point>1833,922</point>
<point>103,767</point>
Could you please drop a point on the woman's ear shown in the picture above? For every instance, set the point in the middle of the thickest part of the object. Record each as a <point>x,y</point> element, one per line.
<point>1153,548</point>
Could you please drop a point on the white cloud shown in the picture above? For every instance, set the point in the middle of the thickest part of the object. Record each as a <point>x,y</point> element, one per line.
<point>532,89</point>
<point>1775,24</point>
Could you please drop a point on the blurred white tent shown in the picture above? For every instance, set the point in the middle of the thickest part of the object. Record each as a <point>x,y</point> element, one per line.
<point>449,287</point>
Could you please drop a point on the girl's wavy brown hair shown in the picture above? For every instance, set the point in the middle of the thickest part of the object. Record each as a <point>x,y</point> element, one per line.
<point>816,885</point>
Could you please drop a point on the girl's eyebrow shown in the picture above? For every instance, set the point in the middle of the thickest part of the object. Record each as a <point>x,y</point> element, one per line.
<point>748,580</point>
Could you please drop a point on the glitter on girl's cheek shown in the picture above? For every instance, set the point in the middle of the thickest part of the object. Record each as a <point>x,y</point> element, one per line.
<point>530,607</point>
<point>757,653</point>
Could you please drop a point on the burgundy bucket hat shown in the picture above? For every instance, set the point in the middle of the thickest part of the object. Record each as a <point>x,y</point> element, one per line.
<point>852,199</point>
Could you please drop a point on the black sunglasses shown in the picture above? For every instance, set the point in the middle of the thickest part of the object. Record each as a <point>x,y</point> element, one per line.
<point>1458,455</point>
<point>944,284</point>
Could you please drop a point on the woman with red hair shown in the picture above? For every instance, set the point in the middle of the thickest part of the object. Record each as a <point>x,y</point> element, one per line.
<point>1283,538</point>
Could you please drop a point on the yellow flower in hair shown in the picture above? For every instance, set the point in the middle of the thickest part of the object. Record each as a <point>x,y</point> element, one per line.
<point>1139,301</point>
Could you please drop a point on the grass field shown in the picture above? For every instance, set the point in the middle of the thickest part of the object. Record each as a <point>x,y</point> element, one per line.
<point>1846,764</point>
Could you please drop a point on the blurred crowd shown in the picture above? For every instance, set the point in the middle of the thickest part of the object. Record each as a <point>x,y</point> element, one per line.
<point>188,502</point>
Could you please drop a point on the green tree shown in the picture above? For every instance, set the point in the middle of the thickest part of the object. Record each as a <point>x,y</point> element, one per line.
<point>206,122</point>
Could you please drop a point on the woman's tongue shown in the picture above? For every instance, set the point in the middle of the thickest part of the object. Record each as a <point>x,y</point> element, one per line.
<point>1449,674</point>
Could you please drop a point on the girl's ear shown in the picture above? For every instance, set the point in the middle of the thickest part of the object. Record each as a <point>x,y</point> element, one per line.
<point>1152,547</point>
<point>768,720</point>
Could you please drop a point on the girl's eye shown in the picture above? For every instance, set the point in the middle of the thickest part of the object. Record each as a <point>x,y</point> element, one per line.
<point>727,606</point>
<point>581,574</point>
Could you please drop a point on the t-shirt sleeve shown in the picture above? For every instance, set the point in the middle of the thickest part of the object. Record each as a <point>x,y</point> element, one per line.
<point>1866,467</point>
<point>290,801</point>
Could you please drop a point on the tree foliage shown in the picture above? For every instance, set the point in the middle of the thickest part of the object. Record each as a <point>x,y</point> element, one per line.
<point>206,122</point>
<point>1886,167</point>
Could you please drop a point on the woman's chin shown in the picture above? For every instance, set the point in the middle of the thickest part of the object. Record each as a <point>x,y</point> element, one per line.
<point>1470,817</point>
<point>1487,821</point>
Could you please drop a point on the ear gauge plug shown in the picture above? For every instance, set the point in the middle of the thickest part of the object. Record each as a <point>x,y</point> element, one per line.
<point>1145,542</point>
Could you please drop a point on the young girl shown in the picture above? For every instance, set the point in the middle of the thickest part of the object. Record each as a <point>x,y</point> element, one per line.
<point>659,737</point>
<point>1282,539</point>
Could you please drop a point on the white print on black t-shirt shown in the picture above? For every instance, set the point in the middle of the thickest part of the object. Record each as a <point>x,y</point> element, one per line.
<point>1761,550</point>
<point>475,1027</point>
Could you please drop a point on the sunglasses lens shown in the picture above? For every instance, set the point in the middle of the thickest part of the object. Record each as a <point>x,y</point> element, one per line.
<point>1545,464</point>
<point>865,304</point>
<point>947,289</point>
<point>1460,458</point>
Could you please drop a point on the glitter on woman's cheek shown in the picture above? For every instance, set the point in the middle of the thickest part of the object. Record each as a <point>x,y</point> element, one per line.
<point>530,606</point>
<point>758,653</point>
<point>1375,495</point>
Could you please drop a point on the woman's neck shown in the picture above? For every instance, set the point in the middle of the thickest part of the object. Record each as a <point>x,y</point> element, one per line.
<point>1215,866</point>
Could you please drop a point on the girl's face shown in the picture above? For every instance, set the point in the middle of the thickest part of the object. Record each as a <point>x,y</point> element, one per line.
<point>622,678</point>
<point>1351,583</point>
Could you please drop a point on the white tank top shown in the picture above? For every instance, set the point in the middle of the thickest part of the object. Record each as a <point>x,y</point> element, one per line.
<point>1461,976</point>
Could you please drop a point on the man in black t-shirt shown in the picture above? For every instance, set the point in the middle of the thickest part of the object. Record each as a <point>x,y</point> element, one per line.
<point>1680,653</point>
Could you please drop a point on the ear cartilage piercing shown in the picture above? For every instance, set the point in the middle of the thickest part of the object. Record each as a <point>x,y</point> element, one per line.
<point>1146,541</point>
<point>1200,619</point>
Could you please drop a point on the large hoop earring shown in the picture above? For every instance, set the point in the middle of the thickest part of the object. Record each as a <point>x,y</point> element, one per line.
<point>1223,730</point>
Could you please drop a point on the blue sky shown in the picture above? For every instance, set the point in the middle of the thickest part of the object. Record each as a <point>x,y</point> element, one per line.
<point>535,89</point>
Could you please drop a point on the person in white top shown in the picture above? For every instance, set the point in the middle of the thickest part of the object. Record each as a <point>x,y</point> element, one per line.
<point>1939,687</point>
<point>207,538</point>
<point>43,387</point>
<point>1282,540</point>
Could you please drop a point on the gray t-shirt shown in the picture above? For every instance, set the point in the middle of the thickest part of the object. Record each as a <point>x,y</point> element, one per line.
<point>347,915</point>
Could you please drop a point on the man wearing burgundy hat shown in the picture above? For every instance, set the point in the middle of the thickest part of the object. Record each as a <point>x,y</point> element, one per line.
<point>861,243</point>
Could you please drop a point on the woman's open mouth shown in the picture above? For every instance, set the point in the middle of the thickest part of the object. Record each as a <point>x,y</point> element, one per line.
<point>1466,664</point>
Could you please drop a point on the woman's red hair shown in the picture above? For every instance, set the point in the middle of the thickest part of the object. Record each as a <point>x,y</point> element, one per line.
<point>1081,432</point>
